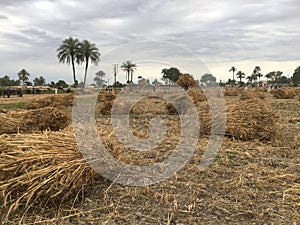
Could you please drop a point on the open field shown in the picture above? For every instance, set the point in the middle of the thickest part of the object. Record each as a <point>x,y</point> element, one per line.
<point>254,179</point>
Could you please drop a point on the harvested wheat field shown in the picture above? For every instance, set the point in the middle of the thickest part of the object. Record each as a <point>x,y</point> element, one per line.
<point>254,178</point>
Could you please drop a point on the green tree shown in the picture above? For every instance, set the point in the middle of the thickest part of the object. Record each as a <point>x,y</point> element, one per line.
<point>256,73</point>
<point>98,79</point>
<point>296,75</point>
<point>233,69</point>
<point>23,76</point>
<point>208,79</point>
<point>250,79</point>
<point>61,84</point>
<point>240,75</point>
<point>129,68</point>
<point>6,81</point>
<point>69,52</point>
<point>270,76</point>
<point>39,81</point>
<point>89,53</point>
<point>171,74</point>
<point>277,76</point>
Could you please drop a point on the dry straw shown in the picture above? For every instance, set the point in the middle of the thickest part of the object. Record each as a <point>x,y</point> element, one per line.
<point>65,100</point>
<point>41,168</point>
<point>34,120</point>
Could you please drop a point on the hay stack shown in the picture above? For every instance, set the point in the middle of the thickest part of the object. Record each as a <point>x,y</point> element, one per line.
<point>283,93</point>
<point>197,95</point>
<point>65,100</point>
<point>251,119</point>
<point>231,92</point>
<point>247,120</point>
<point>41,167</point>
<point>34,120</point>
<point>246,94</point>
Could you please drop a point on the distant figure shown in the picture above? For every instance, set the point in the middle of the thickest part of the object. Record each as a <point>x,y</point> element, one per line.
<point>8,93</point>
<point>19,92</point>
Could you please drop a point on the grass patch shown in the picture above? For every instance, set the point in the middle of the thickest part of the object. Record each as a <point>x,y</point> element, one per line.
<point>13,105</point>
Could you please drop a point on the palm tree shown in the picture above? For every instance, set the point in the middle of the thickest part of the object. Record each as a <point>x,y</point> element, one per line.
<point>23,76</point>
<point>129,67</point>
<point>233,69</point>
<point>69,52</point>
<point>240,75</point>
<point>89,52</point>
<point>250,79</point>
<point>259,75</point>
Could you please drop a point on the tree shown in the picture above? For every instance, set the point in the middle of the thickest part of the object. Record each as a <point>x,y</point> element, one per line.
<point>270,76</point>
<point>129,68</point>
<point>6,81</point>
<point>240,75</point>
<point>233,69</point>
<point>277,76</point>
<point>208,79</point>
<point>296,75</point>
<point>23,76</point>
<point>186,81</point>
<point>39,81</point>
<point>69,52</point>
<point>99,78</point>
<point>61,84</point>
<point>256,73</point>
<point>89,53</point>
<point>250,79</point>
<point>172,74</point>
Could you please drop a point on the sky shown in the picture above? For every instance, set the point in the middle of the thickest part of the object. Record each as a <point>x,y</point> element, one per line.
<point>195,36</point>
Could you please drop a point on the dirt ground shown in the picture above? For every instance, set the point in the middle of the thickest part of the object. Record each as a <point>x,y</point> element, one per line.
<point>249,182</point>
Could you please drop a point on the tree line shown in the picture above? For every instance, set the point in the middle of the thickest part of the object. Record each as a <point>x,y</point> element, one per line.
<point>272,77</point>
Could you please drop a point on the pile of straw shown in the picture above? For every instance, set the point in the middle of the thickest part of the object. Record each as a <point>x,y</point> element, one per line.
<point>34,120</point>
<point>231,92</point>
<point>197,95</point>
<point>251,119</point>
<point>247,120</point>
<point>246,94</point>
<point>39,168</point>
<point>65,100</point>
<point>283,93</point>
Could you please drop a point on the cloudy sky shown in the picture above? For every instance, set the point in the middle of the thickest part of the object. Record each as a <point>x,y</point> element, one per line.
<point>197,36</point>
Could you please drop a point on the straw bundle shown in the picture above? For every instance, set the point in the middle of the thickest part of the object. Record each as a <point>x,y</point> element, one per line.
<point>197,95</point>
<point>65,100</point>
<point>248,120</point>
<point>231,92</point>
<point>41,167</point>
<point>251,119</point>
<point>283,93</point>
<point>251,94</point>
<point>34,120</point>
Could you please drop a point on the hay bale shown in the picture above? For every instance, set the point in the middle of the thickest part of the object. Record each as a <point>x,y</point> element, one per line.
<point>41,167</point>
<point>248,120</point>
<point>34,120</point>
<point>252,119</point>
<point>246,94</point>
<point>109,96</point>
<point>197,95</point>
<point>105,107</point>
<point>283,93</point>
<point>231,92</point>
<point>65,100</point>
